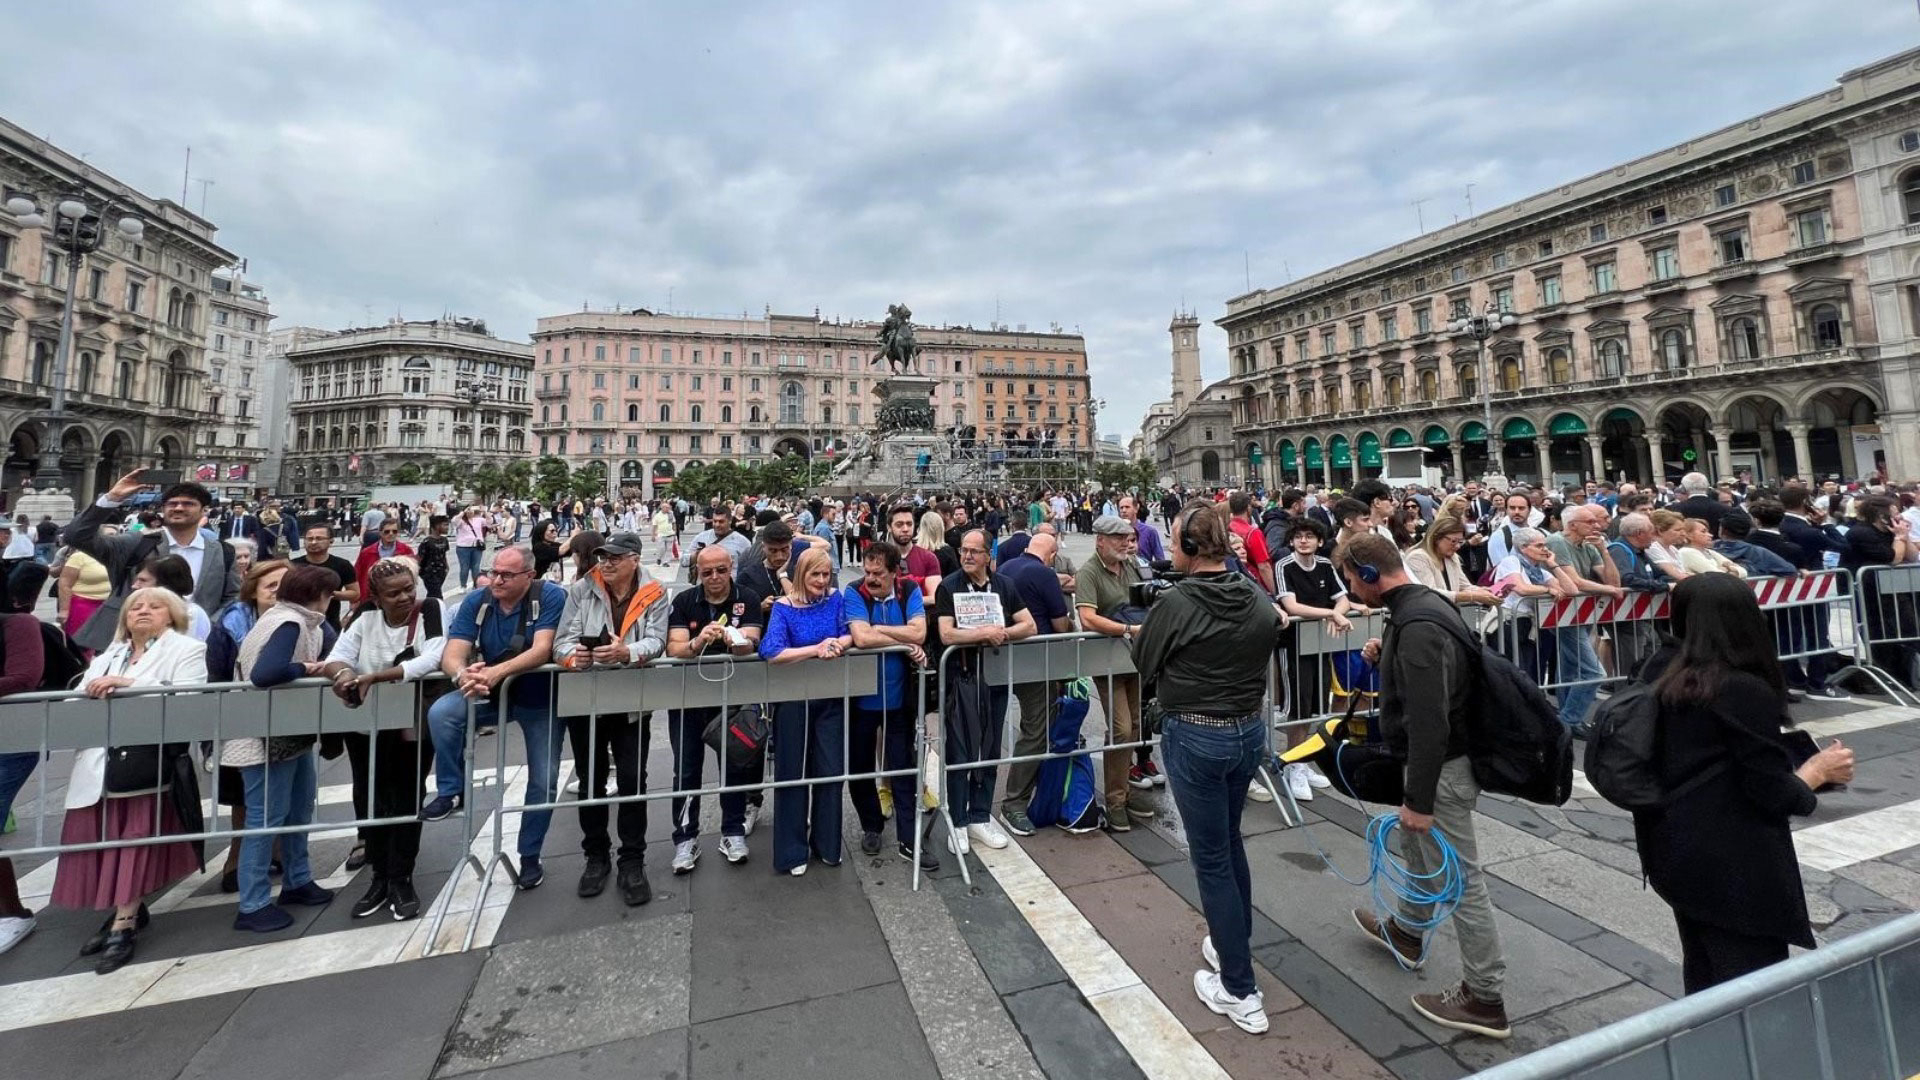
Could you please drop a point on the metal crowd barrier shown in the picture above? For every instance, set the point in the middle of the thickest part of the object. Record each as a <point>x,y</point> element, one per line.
<point>1886,616</point>
<point>1845,1011</point>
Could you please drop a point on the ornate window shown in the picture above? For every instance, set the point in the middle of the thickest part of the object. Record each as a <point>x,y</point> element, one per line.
<point>1511,376</point>
<point>1826,325</point>
<point>1559,366</point>
<point>1429,385</point>
<point>1743,338</point>
<point>1467,379</point>
<point>1910,195</point>
<point>1612,356</point>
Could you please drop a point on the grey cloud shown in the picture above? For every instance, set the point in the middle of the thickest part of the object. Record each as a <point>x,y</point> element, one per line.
<point>1093,163</point>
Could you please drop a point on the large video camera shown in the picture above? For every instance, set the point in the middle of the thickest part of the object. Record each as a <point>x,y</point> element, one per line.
<point>1142,594</point>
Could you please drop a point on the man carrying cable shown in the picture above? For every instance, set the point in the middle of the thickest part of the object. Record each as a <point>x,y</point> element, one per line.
<point>1426,684</point>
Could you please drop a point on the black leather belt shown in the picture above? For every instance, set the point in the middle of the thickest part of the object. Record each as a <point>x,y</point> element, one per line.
<point>1213,721</point>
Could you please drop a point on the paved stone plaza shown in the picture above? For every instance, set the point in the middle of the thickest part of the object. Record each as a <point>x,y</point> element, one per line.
<point>1066,957</point>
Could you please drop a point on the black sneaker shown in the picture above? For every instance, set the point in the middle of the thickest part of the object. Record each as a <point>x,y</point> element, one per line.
<point>929,862</point>
<point>440,807</point>
<point>406,902</point>
<point>99,940</point>
<point>593,879</point>
<point>1829,693</point>
<point>531,873</point>
<point>308,895</point>
<point>869,843</point>
<point>377,897</point>
<point>634,888</point>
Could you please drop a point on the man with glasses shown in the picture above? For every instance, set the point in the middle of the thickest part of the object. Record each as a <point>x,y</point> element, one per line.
<point>975,606</point>
<point>720,617</point>
<point>183,507</point>
<point>386,545</point>
<point>616,616</point>
<point>1106,608</point>
<point>502,630</point>
<point>316,547</point>
<point>720,531</point>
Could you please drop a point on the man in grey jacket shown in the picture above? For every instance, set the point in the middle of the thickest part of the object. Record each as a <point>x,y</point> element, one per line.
<point>182,508</point>
<point>1426,686</point>
<point>616,616</point>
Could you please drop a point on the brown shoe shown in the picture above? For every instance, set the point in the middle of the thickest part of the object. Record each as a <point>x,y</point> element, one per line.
<point>1460,1010</point>
<point>1407,947</point>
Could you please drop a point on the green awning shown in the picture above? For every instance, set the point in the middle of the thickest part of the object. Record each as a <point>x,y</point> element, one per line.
<point>1518,428</point>
<point>1402,437</point>
<point>1475,431</point>
<point>1566,424</point>
<point>1339,452</point>
<point>1436,436</point>
<point>1255,454</point>
<point>1369,450</point>
<point>1627,415</point>
<point>1314,458</point>
<point>1289,457</point>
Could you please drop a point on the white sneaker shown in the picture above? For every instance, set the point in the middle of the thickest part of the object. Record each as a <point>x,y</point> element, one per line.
<point>798,871</point>
<point>734,849</point>
<point>1297,786</point>
<point>957,842</point>
<point>685,854</point>
<point>1249,1013</point>
<point>752,819</point>
<point>989,833</point>
<point>14,930</point>
<point>1208,954</point>
<point>573,786</point>
<point>1314,779</point>
<point>1258,792</point>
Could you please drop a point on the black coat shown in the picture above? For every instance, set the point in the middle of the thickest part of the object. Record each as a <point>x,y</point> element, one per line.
<point>1722,853</point>
<point>1783,547</point>
<point>1814,541</point>
<point>1705,507</point>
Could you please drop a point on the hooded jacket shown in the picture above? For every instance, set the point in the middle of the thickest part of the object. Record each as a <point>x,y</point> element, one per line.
<point>642,627</point>
<point>1207,644</point>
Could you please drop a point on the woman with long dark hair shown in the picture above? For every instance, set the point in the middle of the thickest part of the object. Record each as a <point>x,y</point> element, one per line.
<point>1719,851</point>
<point>1881,538</point>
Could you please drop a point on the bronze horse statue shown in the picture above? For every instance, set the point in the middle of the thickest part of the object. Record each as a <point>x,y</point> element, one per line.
<point>897,346</point>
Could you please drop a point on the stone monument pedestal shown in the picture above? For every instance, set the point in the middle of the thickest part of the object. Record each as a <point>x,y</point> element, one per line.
<point>57,504</point>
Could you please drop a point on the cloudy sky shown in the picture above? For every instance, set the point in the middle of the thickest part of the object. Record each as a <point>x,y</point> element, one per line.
<point>1095,164</point>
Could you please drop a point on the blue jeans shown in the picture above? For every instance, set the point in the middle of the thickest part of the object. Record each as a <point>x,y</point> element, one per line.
<point>447,723</point>
<point>685,731</point>
<point>1578,663</point>
<point>808,740</point>
<point>43,554</point>
<point>14,771</point>
<point>277,793</point>
<point>469,564</point>
<point>1208,770</point>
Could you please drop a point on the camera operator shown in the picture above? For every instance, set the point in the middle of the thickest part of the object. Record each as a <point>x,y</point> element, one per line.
<point>1205,647</point>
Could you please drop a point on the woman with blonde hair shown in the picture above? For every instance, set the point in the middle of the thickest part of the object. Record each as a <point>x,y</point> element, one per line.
<point>933,537</point>
<point>1435,562</point>
<point>808,623</point>
<point>132,792</point>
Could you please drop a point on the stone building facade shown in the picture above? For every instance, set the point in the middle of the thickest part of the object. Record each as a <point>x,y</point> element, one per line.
<point>363,402</point>
<point>1740,303</point>
<point>229,450</point>
<point>137,379</point>
<point>647,395</point>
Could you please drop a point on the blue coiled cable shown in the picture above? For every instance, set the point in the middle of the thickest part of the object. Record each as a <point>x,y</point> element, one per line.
<point>1390,880</point>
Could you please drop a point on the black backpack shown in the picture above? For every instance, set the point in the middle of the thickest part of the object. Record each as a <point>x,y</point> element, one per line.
<point>65,661</point>
<point>1623,752</point>
<point>1515,739</point>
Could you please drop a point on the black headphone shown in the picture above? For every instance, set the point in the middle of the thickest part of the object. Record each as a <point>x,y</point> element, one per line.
<point>1364,571</point>
<point>1187,546</point>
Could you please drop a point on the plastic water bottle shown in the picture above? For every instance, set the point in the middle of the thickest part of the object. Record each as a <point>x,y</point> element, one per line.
<point>1830,559</point>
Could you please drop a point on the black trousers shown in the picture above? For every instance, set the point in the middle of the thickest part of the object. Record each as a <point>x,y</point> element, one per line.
<point>434,582</point>
<point>1710,956</point>
<point>392,769</point>
<point>893,733</point>
<point>618,742</point>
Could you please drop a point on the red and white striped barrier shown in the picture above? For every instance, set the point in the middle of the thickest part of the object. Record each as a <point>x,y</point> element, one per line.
<point>1771,592</point>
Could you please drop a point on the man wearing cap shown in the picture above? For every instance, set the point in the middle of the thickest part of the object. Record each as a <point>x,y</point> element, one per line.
<point>1103,597</point>
<point>616,616</point>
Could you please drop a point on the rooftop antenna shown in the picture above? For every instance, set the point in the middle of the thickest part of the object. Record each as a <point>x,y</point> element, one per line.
<point>1286,270</point>
<point>186,171</point>
<point>669,299</point>
<point>1420,214</point>
<point>1469,198</point>
<point>1246,266</point>
<point>204,185</point>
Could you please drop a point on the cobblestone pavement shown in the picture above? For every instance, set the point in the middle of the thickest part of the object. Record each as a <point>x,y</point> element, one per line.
<point>1067,956</point>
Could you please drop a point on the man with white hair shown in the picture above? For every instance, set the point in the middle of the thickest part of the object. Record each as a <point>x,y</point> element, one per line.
<point>1633,642</point>
<point>1581,553</point>
<point>1697,500</point>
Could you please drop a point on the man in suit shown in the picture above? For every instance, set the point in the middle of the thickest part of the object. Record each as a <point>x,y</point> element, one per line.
<point>1699,501</point>
<point>241,525</point>
<point>182,507</point>
<point>1806,528</point>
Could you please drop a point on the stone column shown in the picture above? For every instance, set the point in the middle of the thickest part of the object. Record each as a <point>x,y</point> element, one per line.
<point>1657,457</point>
<point>1802,452</point>
<point>1722,452</point>
<point>1543,452</point>
<point>1701,461</point>
<point>1769,459</point>
<point>1849,468</point>
<point>1458,449</point>
<point>1597,455</point>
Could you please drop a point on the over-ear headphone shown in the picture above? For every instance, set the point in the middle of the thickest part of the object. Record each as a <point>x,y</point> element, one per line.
<point>1187,547</point>
<point>1364,571</point>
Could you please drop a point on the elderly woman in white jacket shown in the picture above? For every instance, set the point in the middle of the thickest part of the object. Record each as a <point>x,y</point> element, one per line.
<point>398,638</point>
<point>150,648</point>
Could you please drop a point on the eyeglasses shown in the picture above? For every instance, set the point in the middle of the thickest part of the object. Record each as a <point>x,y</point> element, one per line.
<point>509,575</point>
<point>978,553</point>
<point>714,571</point>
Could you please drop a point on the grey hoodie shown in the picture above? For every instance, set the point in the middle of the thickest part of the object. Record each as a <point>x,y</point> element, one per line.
<point>1208,644</point>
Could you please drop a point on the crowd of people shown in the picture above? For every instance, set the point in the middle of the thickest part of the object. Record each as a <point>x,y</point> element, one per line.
<point>186,598</point>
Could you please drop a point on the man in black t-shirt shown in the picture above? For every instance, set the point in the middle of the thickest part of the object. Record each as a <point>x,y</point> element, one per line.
<point>716,616</point>
<point>318,542</point>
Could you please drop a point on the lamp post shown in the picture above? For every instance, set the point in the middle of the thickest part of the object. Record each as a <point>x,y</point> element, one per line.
<point>78,229</point>
<point>1481,327</point>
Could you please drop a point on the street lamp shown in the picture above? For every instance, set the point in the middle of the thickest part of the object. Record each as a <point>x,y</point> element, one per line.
<point>1481,327</point>
<point>78,230</point>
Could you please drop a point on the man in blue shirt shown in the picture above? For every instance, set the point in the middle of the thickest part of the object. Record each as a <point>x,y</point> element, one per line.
<point>1029,566</point>
<point>1151,548</point>
<point>502,630</point>
<point>884,611</point>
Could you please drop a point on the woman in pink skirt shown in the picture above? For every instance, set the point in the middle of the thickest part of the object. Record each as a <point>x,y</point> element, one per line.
<point>151,648</point>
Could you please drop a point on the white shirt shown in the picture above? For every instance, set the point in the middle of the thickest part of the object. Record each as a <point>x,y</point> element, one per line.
<point>20,546</point>
<point>368,644</point>
<point>194,552</point>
